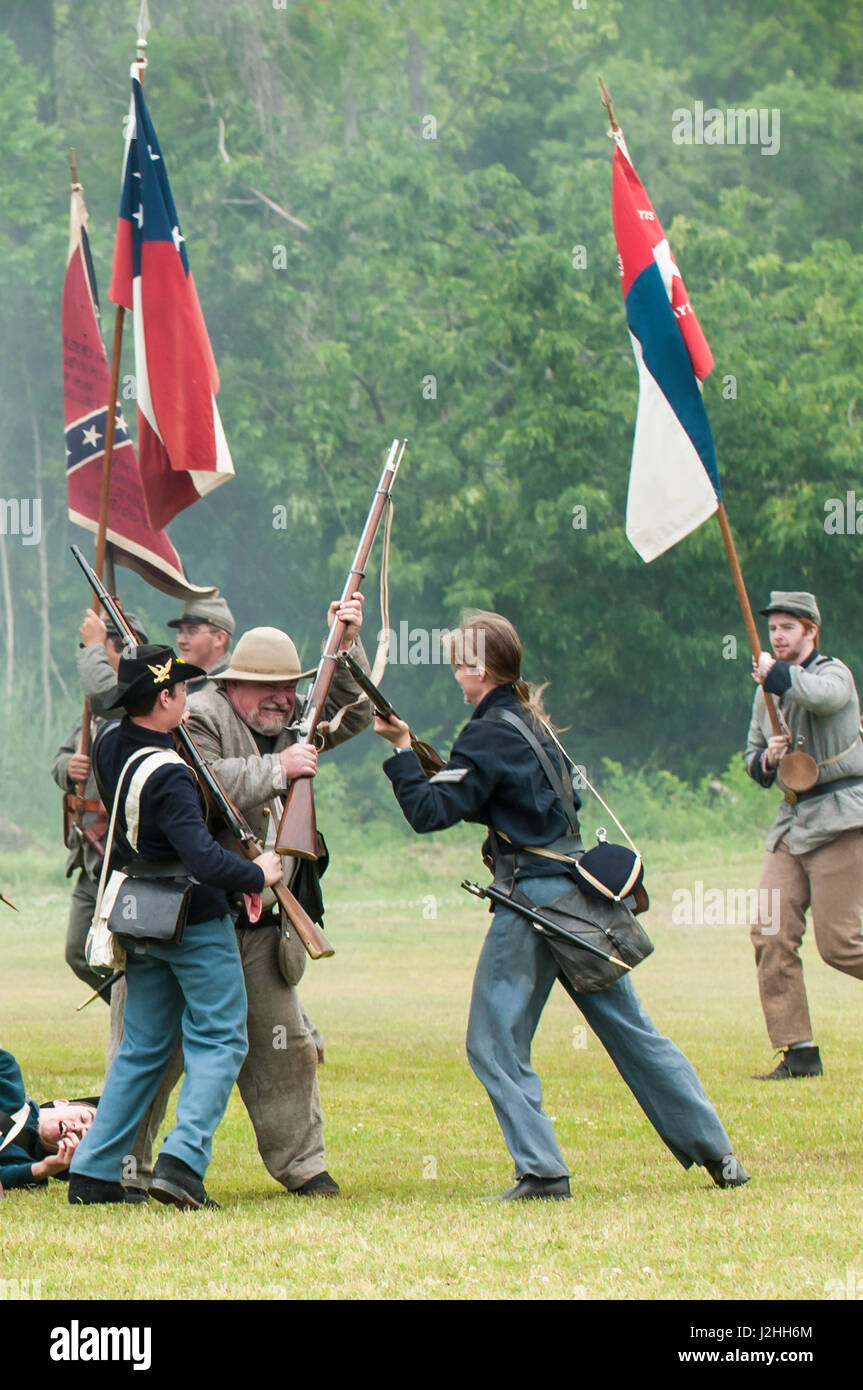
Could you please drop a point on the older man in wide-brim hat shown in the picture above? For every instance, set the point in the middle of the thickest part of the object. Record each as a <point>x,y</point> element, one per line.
<point>242,722</point>
<point>815,847</point>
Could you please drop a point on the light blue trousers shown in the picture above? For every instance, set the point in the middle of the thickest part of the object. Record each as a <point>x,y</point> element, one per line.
<point>514,977</point>
<point>195,990</point>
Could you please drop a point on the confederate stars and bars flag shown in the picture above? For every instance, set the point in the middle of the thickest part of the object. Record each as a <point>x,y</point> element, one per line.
<point>182,447</point>
<point>674,482</point>
<point>86,384</point>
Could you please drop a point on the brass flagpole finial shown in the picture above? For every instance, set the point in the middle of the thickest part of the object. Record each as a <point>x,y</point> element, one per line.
<point>8,902</point>
<point>606,101</point>
<point>73,170</point>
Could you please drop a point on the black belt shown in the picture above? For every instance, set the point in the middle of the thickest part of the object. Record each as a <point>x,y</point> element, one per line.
<point>157,868</point>
<point>270,917</point>
<point>836,786</point>
<point>505,861</point>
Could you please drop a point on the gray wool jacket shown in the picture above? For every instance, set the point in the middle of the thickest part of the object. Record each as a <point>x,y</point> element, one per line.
<point>822,711</point>
<point>252,779</point>
<point>97,677</point>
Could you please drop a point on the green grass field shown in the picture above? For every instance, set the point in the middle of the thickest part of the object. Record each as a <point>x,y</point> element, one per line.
<point>411,1136</point>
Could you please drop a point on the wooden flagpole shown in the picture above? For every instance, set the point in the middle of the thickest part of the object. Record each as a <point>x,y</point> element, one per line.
<point>606,101</point>
<point>745,607</point>
<point>116,356</point>
<point>73,814</point>
<point>103,557</point>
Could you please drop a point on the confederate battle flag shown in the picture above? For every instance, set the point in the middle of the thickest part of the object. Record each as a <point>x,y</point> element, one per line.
<point>181,443</point>
<point>85,397</point>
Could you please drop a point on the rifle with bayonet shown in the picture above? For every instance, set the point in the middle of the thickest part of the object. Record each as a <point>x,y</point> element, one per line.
<point>101,989</point>
<point>430,761</point>
<point>248,843</point>
<point>297,832</point>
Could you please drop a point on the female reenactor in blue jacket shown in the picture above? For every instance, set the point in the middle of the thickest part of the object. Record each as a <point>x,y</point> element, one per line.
<point>494,778</point>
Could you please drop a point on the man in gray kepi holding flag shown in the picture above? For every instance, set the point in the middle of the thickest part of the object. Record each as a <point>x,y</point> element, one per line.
<point>815,849</point>
<point>815,846</point>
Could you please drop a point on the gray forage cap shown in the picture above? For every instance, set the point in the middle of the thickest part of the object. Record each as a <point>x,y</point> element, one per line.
<point>207,610</point>
<point>794,601</point>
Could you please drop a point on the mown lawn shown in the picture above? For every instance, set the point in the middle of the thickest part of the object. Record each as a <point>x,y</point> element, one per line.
<point>413,1141</point>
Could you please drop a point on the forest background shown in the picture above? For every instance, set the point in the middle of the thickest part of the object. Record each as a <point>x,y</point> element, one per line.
<point>455,281</point>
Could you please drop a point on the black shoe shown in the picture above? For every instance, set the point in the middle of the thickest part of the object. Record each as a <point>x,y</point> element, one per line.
<point>87,1192</point>
<point>321,1185</point>
<point>177,1184</point>
<point>727,1171</point>
<point>136,1194</point>
<point>541,1189</point>
<point>796,1061</point>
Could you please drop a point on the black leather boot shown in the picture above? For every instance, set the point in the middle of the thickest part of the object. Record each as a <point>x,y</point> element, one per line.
<point>537,1189</point>
<point>727,1171</point>
<point>87,1192</point>
<point>796,1061</point>
<point>175,1183</point>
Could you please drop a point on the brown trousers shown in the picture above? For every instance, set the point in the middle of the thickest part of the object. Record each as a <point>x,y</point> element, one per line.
<point>828,880</point>
<point>278,1081</point>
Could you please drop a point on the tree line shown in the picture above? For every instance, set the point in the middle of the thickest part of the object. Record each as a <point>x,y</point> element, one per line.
<point>398,219</point>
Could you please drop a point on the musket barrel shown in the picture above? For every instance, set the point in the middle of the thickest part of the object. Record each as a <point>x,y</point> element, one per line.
<point>297,832</point>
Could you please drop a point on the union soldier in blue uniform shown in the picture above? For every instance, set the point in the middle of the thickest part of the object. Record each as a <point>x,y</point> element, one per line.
<point>193,987</point>
<point>494,778</point>
<point>37,1142</point>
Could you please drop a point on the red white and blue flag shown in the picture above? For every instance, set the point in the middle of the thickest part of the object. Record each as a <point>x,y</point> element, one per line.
<point>673,483</point>
<point>86,382</point>
<point>181,443</point>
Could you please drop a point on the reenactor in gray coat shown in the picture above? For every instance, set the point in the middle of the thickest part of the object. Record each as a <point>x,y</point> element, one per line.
<point>101,652</point>
<point>204,631</point>
<point>815,847</point>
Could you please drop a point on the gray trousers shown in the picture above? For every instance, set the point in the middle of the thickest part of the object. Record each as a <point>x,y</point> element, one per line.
<point>278,1080</point>
<point>514,977</point>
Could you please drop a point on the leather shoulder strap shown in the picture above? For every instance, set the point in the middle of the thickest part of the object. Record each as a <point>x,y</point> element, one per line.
<point>23,1135</point>
<point>146,766</point>
<point>559,784</point>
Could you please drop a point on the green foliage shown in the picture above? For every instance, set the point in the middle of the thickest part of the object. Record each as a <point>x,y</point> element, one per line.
<point>384,208</point>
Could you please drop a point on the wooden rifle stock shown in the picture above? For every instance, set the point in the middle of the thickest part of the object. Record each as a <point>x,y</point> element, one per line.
<point>298,828</point>
<point>297,832</point>
<point>308,931</point>
<point>249,845</point>
<point>430,761</point>
<point>73,804</point>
